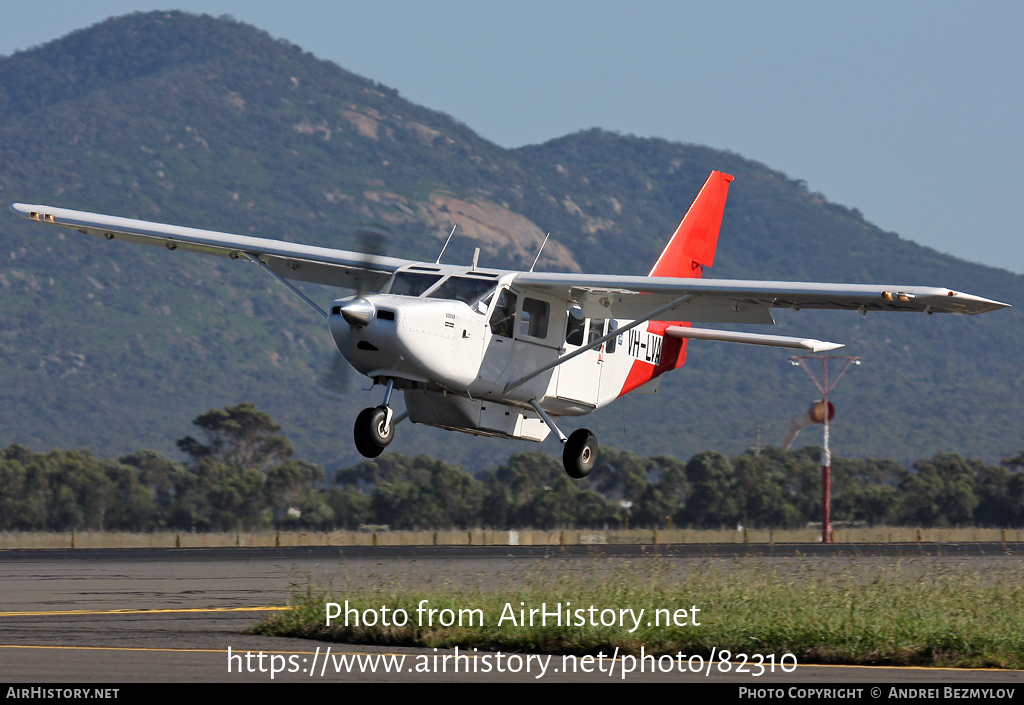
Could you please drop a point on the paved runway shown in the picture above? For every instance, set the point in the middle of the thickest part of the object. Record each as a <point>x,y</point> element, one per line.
<point>166,615</point>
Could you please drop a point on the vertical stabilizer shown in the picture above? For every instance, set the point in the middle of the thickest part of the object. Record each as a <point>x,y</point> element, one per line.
<point>691,248</point>
<point>693,245</point>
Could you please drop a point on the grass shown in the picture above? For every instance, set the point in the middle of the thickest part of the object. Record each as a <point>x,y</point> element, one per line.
<point>904,613</point>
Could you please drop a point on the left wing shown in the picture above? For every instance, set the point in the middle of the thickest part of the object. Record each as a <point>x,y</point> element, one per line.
<point>320,265</point>
<point>738,301</point>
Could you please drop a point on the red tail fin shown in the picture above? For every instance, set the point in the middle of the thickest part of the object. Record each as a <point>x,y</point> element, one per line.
<point>691,248</point>
<point>693,245</point>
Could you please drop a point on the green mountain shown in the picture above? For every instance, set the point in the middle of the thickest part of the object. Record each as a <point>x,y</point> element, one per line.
<point>214,124</point>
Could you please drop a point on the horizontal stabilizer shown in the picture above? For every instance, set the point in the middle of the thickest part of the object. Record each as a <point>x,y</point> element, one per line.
<point>729,336</point>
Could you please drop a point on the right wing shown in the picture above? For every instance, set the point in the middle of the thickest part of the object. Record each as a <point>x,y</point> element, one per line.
<point>738,301</point>
<point>319,265</point>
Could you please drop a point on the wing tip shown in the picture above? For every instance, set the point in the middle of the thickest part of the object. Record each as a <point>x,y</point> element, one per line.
<point>973,305</point>
<point>819,346</point>
<point>38,213</point>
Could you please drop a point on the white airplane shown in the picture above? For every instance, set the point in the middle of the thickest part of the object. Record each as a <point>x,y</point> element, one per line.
<point>504,353</point>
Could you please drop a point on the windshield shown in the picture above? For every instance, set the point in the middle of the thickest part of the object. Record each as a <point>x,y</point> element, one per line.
<point>412,283</point>
<point>466,289</point>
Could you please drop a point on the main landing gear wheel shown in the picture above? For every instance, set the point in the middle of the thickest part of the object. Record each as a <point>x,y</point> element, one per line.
<point>580,453</point>
<point>373,433</point>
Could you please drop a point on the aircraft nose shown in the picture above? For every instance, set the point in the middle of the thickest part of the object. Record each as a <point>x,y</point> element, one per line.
<point>358,311</point>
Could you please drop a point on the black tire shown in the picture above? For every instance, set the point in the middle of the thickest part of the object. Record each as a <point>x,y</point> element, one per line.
<point>580,454</point>
<point>371,434</point>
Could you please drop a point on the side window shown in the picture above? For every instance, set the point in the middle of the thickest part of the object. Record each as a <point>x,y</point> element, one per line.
<point>609,347</point>
<point>596,329</point>
<point>534,321</point>
<point>574,327</point>
<point>504,315</point>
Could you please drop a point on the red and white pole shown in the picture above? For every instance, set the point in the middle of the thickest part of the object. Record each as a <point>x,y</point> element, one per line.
<point>826,413</point>
<point>826,472</point>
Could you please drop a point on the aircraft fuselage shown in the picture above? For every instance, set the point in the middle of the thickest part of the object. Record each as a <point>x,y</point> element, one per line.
<point>473,330</point>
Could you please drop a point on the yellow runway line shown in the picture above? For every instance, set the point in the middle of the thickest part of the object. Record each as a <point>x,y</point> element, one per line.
<point>926,669</point>
<point>268,608</point>
<point>171,650</point>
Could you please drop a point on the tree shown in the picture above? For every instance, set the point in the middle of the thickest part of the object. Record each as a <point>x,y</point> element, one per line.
<point>132,507</point>
<point>543,496</point>
<point>227,497</point>
<point>423,493</point>
<point>714,499</point>
<point>865,490</point>
<point>496,503</point>
<point>290,484</point>
<point>999,496</point>
<point>666,497</point>
<point>943,492</point>
<point>767,486</point>
<point>240,436</point>
<point>350,508</point>
<point>316,513</point>
<point>621,476</point>
<point>159,474</point>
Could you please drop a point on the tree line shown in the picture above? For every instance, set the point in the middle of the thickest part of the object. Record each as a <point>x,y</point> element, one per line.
<point>240,475</point>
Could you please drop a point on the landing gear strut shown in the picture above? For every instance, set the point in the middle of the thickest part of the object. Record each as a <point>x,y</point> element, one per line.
<point>579,456</point>
<point>579,452</point>
<point>375,426</point>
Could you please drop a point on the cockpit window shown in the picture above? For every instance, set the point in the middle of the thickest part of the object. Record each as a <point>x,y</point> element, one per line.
<point>575,325</point>
<point>412,283</point>
<point>504,315</point>
<point>465,289</point>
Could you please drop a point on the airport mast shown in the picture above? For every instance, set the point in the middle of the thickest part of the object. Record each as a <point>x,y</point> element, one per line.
<point>828,411</point>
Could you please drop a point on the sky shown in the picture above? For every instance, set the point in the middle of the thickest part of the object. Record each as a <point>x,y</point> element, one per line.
<point>908,111</point>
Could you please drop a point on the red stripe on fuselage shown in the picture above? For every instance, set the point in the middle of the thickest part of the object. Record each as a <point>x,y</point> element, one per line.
<point>673,355</point>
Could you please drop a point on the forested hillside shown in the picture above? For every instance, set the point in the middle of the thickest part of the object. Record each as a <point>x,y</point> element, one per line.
<point>211,123</point>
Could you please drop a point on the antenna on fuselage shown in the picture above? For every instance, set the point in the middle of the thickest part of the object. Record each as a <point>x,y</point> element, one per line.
<point>537,258</point>
<point>438,260</point>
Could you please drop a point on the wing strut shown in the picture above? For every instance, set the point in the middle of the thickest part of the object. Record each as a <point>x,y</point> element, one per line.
<point>263,265</point>
<point>597,343</point>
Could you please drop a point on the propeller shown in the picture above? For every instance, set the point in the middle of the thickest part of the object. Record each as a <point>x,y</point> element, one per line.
<point>372,241</point>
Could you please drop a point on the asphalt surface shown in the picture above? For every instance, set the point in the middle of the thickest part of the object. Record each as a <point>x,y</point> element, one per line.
<point>171,615</point>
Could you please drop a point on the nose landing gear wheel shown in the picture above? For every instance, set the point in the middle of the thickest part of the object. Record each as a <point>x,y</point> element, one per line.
<point>580,453</point>
<point>372,432</point>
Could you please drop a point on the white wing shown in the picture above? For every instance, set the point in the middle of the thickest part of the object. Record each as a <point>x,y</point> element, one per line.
<point>737,301</point>
<point>601,296</point>
<point>320,265</point>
